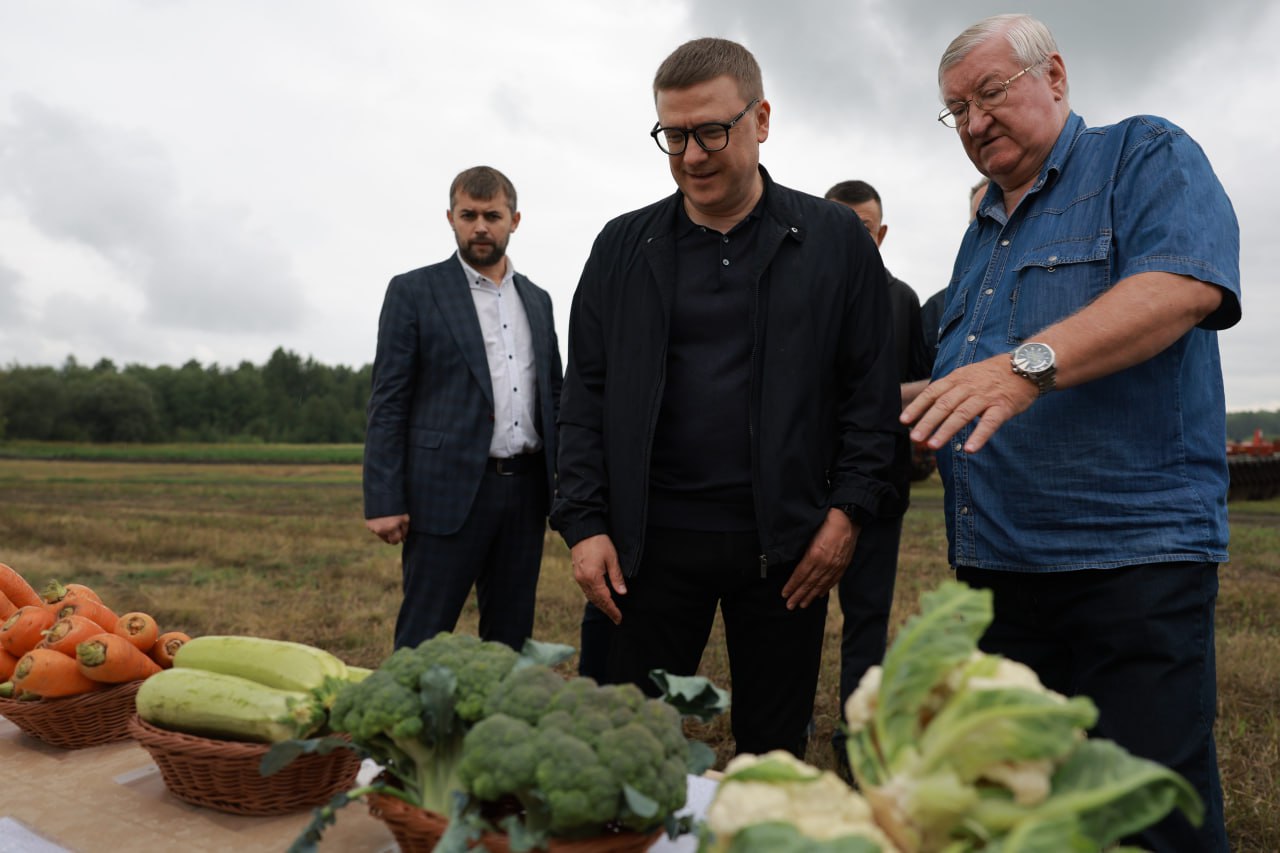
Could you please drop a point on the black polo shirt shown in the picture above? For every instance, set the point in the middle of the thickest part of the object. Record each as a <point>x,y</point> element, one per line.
<point>700,468</point>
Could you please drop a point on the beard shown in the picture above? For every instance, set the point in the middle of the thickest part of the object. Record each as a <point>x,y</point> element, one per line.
<point>482,255</point>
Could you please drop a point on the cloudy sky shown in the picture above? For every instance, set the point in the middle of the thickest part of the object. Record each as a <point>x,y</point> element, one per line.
<point>195,179</point>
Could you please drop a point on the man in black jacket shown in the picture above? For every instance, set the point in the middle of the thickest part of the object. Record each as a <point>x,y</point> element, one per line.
<point>866,590</point>
<point>729,413</point>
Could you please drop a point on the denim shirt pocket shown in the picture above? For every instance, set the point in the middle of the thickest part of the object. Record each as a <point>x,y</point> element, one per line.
<point>954,312</point>
<point>1054,280</point>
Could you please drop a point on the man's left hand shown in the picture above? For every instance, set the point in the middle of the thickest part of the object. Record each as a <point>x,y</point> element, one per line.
<point>824,562</point>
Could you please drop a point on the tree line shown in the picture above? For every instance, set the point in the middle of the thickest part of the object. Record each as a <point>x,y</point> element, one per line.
<point>288,399</point>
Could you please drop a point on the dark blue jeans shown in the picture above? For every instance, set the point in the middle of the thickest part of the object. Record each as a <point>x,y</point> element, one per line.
<point>1138,641</point>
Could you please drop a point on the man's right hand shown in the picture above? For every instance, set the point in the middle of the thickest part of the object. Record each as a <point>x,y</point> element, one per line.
<point>392,529</point>
<point>594,561</point>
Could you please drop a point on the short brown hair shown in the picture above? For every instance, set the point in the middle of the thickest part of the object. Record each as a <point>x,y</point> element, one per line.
<point>705,59</point>
<point>482,183</point>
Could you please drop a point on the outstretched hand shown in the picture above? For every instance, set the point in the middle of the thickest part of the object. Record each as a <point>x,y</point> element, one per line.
<point>988,390</point>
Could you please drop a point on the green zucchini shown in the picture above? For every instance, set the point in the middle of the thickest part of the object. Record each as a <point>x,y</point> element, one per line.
<point>213,704</point>
<point>276,663</point>
<point>356,674</point>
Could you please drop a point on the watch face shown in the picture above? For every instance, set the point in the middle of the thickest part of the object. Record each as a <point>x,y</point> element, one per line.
<point>1034,357</point>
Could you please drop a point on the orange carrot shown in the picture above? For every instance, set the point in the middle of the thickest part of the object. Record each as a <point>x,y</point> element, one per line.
<point>138,628</point>
<point>22,630</point>
<point>7,663</point>
<point>90,609</point>
<point>51,675</point>
<point>56,593</point>
<point>63,635</point>
<point>16,588</point>
<point>112,659</point>
<point>167,645</point>
<point>6,606</point>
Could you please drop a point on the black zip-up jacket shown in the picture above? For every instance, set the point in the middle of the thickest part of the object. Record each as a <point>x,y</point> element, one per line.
<point>824,388</point>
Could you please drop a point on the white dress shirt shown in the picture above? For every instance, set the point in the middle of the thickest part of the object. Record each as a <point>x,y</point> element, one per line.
<point>508,346</point>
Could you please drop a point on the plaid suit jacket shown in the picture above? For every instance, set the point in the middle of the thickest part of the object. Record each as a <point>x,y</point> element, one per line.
<point>430,416</point>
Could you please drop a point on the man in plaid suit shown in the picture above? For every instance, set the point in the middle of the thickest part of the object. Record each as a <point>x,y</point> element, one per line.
<point>461,442</point>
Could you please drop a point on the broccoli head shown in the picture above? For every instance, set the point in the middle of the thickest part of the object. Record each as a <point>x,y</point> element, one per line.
<point>599,755</point>
<point>525,694</point>
<point>412,712</point>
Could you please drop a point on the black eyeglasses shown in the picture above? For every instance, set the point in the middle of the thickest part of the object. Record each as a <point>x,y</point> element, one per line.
<point>712,136</point>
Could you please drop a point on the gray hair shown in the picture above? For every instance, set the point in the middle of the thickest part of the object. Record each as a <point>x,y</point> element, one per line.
<point>1031,41</point>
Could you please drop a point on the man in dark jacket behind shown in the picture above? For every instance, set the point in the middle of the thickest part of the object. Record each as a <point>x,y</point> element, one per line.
<point>728,419</point>
<point>866,590</point>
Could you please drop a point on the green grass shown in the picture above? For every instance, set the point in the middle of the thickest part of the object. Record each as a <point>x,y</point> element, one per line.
<point>280,550</point>
<point>247,453</point>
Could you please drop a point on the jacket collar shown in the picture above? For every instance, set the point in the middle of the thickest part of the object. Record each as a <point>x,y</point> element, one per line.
<point>777,205</point>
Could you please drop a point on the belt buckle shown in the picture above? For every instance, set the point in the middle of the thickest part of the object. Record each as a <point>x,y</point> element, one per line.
<point>500,469</point>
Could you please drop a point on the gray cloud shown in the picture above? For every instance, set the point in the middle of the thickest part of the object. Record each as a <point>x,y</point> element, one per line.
<point>115,192</point>
<point>833,57</point>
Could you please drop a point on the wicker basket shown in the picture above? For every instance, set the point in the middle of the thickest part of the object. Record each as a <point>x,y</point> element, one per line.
<point>417,831</point>
<point>224,775</point>
<point>75,722</point>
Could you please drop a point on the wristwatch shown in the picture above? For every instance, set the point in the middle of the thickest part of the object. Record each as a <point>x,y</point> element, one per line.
<point>1035,362</point>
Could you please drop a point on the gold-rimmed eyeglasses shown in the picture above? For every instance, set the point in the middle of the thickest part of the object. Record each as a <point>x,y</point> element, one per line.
<point>992,95</point>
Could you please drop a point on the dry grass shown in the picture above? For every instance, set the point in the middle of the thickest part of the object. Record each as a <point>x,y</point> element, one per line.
<point>280,551</point>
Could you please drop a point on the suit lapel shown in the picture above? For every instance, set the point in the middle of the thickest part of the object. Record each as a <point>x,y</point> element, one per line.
<point>459,311</point>
<point>539,323</point>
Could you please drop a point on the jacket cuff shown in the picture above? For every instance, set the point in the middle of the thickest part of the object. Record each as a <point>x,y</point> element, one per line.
<point>575,532</point>
<point>381,506</point>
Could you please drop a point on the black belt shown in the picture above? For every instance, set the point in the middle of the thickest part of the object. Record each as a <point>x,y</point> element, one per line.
<point>510,465</point>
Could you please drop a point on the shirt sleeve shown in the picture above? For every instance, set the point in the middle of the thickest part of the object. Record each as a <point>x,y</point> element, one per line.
<point>1173,215</point>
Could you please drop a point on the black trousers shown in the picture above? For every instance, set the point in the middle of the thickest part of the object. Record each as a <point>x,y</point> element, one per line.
<point>498,551</point>
<point>1138,641</point>
<point>866,597</point>
<point>774,653</point>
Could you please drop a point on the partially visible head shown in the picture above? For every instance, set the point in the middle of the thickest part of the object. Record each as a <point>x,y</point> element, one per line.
<point>1010,62</point>
<point>482,213</point>
<point>865,201</point>
<point>714,81</point>
<point>1028,38</point>
<point>705,59</point>
<point>976,192</point>
<point>483,183</point>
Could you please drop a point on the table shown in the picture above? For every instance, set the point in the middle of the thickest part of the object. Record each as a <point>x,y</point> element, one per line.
<point>104,799</point>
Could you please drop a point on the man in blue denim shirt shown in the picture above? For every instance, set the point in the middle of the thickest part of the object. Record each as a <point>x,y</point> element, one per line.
<point>1100,266</point>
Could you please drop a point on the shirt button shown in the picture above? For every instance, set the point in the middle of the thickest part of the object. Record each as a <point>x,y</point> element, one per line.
<point>971,338</point>
<point>956,447</point>
<point>989,291</point>
<point>725,262</point>
<point>1004,242</point>
<point>1053,259</point>
<point>726,239</point>
<point>964,510</point>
